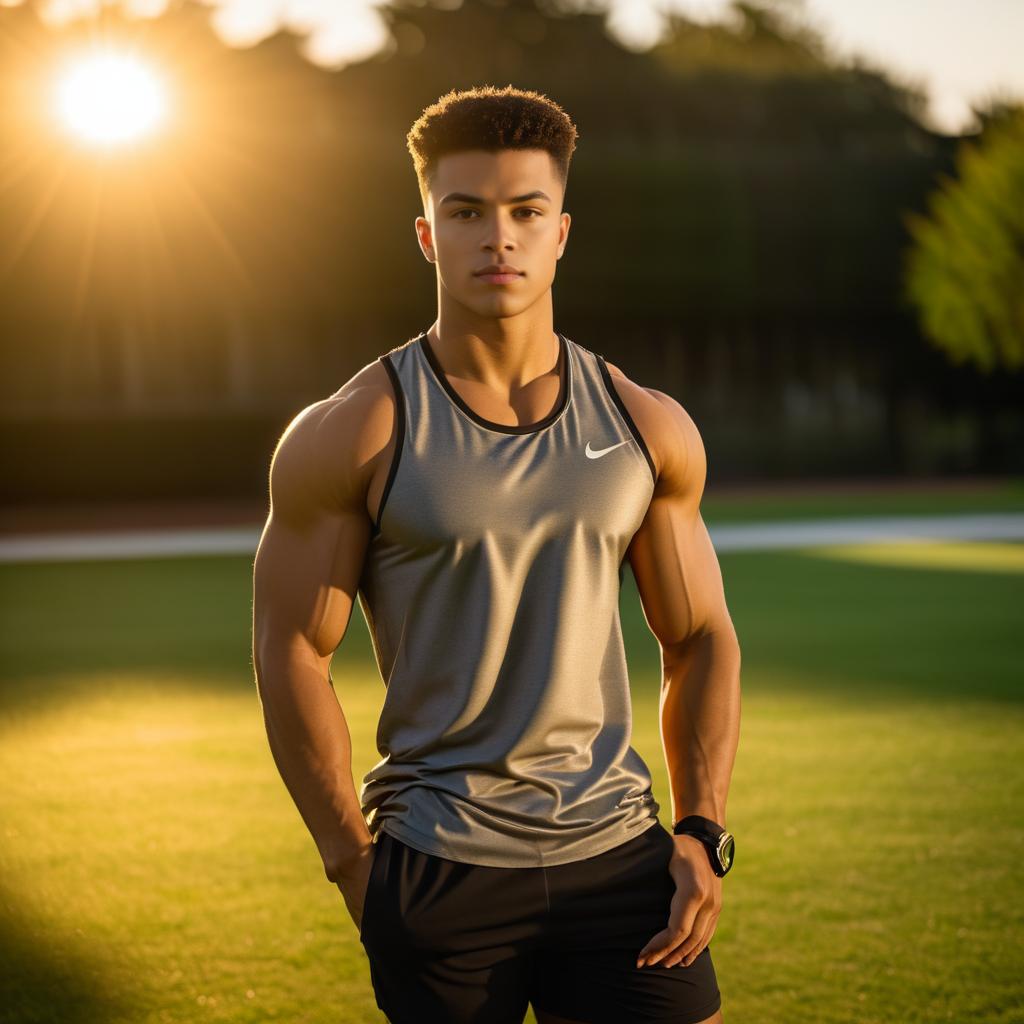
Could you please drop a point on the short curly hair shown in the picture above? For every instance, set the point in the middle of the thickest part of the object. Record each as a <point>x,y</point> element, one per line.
<point>492,119</point>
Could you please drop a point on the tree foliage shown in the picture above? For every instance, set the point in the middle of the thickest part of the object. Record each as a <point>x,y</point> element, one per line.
<point>965,268</point>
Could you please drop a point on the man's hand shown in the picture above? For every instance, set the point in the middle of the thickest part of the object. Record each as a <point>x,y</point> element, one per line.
<point>693,915</point>
<point>353,880</point>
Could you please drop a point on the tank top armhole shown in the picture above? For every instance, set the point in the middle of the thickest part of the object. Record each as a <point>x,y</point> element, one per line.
<point>624,412</point>
<point>396,456</point>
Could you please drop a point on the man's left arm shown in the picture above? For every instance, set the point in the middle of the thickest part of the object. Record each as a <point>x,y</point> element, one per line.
<point>681,591</point>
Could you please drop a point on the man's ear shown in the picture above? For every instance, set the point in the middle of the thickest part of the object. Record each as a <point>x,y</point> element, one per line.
<point>424,228</point>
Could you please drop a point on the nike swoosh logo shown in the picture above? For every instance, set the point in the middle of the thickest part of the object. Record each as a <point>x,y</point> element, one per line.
<point>591,454</point>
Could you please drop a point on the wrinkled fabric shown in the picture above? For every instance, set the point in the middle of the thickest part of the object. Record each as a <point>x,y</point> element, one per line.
<point>491,593</point>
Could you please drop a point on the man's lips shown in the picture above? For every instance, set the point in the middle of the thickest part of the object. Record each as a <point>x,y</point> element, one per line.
<point>499,278</point>
<point>502,274</point>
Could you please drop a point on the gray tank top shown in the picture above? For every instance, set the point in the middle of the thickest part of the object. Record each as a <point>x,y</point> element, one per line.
<point>491,593</point>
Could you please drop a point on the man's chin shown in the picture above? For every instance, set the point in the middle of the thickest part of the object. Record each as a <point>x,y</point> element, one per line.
<point>499,307</point>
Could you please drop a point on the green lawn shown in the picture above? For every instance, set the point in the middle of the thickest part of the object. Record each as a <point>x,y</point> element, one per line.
<point>761,504</point>
<point>153,867</point>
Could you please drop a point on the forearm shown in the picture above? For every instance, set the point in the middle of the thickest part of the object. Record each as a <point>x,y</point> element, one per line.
<point>311,745</point>
<point>700,720</point>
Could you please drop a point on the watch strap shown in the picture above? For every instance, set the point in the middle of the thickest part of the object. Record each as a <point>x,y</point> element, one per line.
<point>698,823</point>
<point>710,834</point>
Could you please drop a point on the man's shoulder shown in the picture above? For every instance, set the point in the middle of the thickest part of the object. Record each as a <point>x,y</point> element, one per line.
<point>335,442</point>
<point>367,394</point>
<point>668,429</point>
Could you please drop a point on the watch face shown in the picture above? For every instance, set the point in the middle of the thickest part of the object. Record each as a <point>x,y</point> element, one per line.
<point>726,850</point>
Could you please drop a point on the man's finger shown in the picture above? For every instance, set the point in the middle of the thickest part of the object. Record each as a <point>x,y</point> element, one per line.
<point>688,942</point>
<point>656,958</point>
<point>662,944</point>
<point>670,935</point>
<point>689,951</point>
<point>702,945</point>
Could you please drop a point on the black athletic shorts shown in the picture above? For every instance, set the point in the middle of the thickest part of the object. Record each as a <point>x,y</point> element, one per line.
<point>455,943</point>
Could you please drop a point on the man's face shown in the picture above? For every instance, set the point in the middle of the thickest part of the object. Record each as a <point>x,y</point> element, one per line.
<point>495,208</point>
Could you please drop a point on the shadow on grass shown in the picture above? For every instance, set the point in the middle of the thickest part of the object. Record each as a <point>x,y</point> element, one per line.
<point>856,631</point>
<point>861,632</point>
<point>187,618</point>
<point>46,983</point>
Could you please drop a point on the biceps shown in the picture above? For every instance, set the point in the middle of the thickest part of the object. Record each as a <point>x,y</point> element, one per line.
<point>305,581</point>
<point>677,574</point>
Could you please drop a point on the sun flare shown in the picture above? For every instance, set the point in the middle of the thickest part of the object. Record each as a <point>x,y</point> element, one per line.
<point>110,98</point>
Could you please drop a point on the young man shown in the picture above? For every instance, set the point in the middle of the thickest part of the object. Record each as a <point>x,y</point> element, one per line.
<point>478,488</point>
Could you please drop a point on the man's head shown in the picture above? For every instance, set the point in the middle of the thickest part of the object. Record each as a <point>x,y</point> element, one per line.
<point>492,166</point>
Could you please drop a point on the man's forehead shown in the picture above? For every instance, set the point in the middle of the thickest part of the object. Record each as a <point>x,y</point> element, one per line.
<point>507,172</point>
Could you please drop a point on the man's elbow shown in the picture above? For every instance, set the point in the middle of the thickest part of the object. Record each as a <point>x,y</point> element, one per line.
<point>717,638</point>
<point>269,657</point>
<point>282,654</point>
<point>259,650</point>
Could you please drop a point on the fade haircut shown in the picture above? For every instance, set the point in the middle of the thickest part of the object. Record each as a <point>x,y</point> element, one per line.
<point>490,119</point>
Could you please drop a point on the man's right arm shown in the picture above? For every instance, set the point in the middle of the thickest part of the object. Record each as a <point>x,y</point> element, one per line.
<point>305,579</point>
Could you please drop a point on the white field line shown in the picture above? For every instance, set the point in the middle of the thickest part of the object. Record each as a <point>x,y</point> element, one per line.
<point>757,536</point>
<point>806,533</point>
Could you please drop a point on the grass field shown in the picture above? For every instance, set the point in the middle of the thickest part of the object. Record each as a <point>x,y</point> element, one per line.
<point>153,867</point>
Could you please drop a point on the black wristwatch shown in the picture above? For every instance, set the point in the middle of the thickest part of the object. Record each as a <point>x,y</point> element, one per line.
<point>721,845</point>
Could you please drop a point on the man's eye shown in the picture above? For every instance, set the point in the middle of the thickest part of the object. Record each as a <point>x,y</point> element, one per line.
<point>458,213</point>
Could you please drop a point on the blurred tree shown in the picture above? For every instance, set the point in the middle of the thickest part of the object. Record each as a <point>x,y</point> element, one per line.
<point>965,268</point>
<point>737,204</point>
<point>764,72</point>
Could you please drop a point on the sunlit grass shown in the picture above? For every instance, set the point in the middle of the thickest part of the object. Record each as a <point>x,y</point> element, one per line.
<point>971,556</point>
<point>154,868</point>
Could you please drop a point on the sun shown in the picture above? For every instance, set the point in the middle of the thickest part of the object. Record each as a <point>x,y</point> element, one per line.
<point>109,98</point>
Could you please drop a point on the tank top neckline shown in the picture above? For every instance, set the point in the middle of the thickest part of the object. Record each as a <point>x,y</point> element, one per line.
<point>564,391</point>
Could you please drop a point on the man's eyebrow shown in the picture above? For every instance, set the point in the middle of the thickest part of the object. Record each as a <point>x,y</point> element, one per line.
<point>464,197</point>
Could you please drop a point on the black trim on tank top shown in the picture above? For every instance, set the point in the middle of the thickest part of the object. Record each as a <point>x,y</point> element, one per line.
<point>504,428</point>
<point>396,455</point>
<point>621,406</point>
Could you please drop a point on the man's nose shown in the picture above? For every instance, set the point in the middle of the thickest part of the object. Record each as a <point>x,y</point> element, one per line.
<point>499,233</point>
